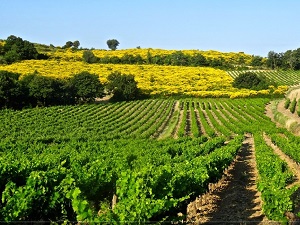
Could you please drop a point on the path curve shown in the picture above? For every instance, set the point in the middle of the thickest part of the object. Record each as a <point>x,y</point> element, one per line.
<point>291,118</point>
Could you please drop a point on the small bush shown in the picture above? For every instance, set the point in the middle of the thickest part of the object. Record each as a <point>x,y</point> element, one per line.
<point>252,81</point>
<point>122,86</point>
<point>293,105</point>
<point>89,57</point>
<point>287,103</point>
<point>298,107</point>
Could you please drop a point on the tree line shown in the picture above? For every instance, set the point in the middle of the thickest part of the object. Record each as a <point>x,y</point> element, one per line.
<point>33,90</point>
<point>177,58</point>
<point>16,49</point>
<point>285,60</point>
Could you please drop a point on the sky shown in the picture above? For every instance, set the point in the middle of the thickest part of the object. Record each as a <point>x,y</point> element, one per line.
<point>251,26</point>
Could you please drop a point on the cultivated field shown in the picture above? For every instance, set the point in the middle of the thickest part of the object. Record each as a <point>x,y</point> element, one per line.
<point>144,161</point>
<point>289,77</point>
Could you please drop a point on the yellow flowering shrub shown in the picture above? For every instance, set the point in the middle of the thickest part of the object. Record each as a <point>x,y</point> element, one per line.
<point>72,55</point>
<point>152,79</point>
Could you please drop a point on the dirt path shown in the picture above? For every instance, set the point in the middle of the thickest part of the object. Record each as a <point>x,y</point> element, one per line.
<point>188,125</point>
<point>200,125</point>
<point>210,123</point>
<point>235,197</point>
<point>175,133</point>
<point>269,113</point>
<point>162,129</point>
<point>292,117</point>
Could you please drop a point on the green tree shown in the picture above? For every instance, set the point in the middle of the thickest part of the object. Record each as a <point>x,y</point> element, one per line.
<point>39,90</point>
<point>122,86</point>
<point>86,87</point>
<point>12,56</point>
<point>89,57</point>
<point>76,44</point>
<point>15,49</point>
<point>252,81</point>
<point>178,58</point>
<point>43,89</point>
<point>198,60</point>
<point>68,44</point>
<point>274,60</point>
<point>256,60</point>
<point>112,44</point>
<point>9,89</point>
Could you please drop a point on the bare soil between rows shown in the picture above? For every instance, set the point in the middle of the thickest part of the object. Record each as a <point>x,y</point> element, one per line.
<point>234,199</point>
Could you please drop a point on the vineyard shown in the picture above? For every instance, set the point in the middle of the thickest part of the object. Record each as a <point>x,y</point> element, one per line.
<point>136,161</point>
<point>197,146</point>
<point>289,77</point>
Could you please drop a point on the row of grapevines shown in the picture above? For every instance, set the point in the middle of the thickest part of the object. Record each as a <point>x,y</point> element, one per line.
<point>274,176</point>
<point>289,77</point>
<point>288,143</point>
<point>53,181</point>
<point>88,121</point>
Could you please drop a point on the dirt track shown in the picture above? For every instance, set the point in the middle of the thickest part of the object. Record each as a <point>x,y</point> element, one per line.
<point>292,117</point>
<point>235,198</point>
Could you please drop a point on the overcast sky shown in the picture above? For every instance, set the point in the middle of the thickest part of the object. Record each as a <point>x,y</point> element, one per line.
<point>252,26</point>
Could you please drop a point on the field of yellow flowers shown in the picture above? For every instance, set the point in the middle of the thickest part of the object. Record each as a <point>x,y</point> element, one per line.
<point>71,55</point>
<point>152,79</point>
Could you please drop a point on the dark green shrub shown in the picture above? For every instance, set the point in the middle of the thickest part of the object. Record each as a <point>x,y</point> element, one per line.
<point>252,81</point>
<point>86,87</point>
<point>293,105</point>
<point>122,86</point>
<point>287,103</point>
<point>298,107</point>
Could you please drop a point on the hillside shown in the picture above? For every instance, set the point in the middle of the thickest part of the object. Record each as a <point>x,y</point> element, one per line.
<point>153,160</point>
<point>180,76</point>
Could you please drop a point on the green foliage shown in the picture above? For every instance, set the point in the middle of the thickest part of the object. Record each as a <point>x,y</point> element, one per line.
<point>73,160</point>
<point>289,145</point>
<point>86,87</point>
<point>274,60</point>
<point>9,89</point>
<point>274,177</point>
<point>287,103</point>
<point>36,90</point>
<point>257,61</point>
<point>293,105</point>
<point>76,44</point>
<point>122,86</point>
<point>278,77</point>
<point>43,183</point>
<point>286,60</point>
<point>112,44</point>
<point>89,57</point>
<point>43,89</point>
<point>251,80</point>
<point>68,44</point>
<point>15,49</point>
<point>298,107</point>
<point>291,59</point>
